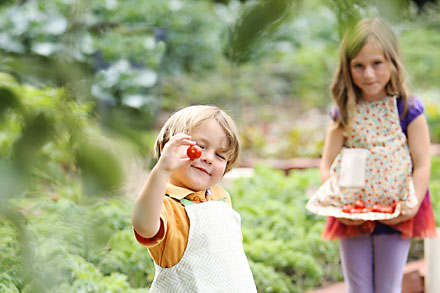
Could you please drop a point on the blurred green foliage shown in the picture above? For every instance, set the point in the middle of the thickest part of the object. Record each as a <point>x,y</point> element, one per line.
<point>91,247</point>
<point>432,111</point>
<point>281,239</point>
<point>255,20</point>
<point>434,188</point>
<point>139,58</point>
<point>112,52</point>
<point>58,219</point>
<point>46,125</point>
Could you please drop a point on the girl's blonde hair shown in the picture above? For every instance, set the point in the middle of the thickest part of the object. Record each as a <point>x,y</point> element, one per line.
<point>345,93</point>
<point>186,119</point>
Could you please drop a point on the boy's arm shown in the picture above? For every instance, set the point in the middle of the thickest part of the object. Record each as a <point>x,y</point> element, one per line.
<point>334,141</point>
<point>148,205</point>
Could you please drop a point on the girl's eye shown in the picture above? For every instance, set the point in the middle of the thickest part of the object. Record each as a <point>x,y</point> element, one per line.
<point>377,63</point>
<point>358,66</point>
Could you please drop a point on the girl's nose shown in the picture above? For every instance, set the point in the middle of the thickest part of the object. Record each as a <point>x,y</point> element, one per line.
<point>369,72</point>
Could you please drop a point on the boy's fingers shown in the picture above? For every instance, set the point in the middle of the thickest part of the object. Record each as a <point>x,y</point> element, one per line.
<point>183,139</point>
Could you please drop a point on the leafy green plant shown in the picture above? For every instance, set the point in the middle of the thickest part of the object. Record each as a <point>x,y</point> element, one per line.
<point>10,269</point>
<point>434,188</point>
<point>51,178</point>
<point>432,112</point>
<point>279,234</point>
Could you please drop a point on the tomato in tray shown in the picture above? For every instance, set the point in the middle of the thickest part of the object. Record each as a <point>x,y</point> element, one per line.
<point>359,207</point>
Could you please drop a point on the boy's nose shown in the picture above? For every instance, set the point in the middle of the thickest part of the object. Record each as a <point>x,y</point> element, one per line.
<point>207,156</point>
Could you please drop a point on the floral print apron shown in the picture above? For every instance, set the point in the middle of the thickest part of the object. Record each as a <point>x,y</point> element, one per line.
<point>373,166</point>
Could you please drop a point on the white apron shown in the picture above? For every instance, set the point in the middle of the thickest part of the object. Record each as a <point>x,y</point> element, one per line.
<point>374,166</point>
<point>214,259</point>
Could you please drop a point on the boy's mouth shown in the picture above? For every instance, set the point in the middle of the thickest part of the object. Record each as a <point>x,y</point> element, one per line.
<point>202,169</point>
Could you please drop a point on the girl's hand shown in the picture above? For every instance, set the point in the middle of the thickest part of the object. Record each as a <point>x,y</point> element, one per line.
<point>325,174</point>
<point>350,222</point>
<point>405,214</point>
<point>173,154</point>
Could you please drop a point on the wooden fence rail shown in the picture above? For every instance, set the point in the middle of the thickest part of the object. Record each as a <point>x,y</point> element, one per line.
<point>302,163</point>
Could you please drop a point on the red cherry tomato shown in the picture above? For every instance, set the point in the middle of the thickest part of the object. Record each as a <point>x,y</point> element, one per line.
<point>355,211</point>
<point>394,205</point>
<point>346,208</point>
<point>377,208</point>
<point>387,210</point>
<point>359,204</point>
<point>194,152</point>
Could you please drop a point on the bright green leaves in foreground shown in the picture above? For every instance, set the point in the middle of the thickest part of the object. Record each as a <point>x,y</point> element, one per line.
<point>101,170</point>
<point>43,127</point>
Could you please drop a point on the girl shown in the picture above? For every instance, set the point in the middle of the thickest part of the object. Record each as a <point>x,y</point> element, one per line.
<point>184,219</point>
<point>376,153</point>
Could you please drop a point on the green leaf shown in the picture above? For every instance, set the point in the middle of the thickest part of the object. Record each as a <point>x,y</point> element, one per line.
<point>101,170</point>
<point>48,70</point>
<point>36,132</point>
<point>255,20</point>
<point>7,100</point>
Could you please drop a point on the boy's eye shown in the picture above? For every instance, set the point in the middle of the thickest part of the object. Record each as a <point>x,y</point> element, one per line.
<point>221,156</point>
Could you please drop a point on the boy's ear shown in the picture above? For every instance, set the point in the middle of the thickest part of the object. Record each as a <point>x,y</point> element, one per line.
<point>158,151</point>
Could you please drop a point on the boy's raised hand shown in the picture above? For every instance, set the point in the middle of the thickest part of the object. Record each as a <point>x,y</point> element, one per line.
<point>173,154</point>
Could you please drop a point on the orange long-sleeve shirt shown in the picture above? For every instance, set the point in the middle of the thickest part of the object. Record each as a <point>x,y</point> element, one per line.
<point>169,244</point>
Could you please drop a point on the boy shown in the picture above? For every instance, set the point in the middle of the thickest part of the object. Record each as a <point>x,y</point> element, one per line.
<point>185,220</point>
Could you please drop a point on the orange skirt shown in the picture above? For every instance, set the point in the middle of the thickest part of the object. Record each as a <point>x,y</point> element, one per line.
<point>421,226</point>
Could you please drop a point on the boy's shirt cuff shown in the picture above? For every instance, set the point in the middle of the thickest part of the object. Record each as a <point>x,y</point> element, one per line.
<point>150,242</point>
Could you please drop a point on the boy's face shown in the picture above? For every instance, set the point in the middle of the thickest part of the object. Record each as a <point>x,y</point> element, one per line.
<point>209,168</point>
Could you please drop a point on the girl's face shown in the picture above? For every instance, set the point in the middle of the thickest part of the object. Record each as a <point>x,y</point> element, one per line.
<point>209,168</point>
<point>370,71</point>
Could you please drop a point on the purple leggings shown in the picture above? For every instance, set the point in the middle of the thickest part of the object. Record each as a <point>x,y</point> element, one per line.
<point>374,263</point>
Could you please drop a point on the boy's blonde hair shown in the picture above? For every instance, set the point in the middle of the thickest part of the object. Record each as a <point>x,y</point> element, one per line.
<point>186,119</point>
<point>345,93</point>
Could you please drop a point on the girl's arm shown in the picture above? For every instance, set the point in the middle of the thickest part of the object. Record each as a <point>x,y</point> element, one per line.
<point>148,205</point>
<point>419,145</point>
<point>333,144</point>
<point>334,141</point>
